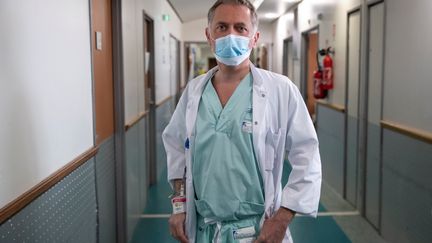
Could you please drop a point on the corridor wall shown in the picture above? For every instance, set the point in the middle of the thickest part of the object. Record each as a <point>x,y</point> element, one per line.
<point>406,160</point>
<point>47,153</point>
<point>396,141</point>
<point>136,116</point>
<point>133,54</point>
<point>331,19</point>
<point>38,136</point>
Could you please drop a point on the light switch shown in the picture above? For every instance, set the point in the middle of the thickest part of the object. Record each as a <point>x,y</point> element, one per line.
<point>99,41</point>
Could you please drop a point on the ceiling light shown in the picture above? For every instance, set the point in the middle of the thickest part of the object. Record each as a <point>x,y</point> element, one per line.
<point>271,15</point>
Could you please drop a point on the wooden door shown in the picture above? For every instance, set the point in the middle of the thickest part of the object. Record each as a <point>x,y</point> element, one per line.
<point>312,48</point>
<point>102,70</point>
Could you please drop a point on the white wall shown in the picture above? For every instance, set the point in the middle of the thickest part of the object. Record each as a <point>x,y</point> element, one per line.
<point>283,28</point>
<point>194,31</point>
<point>408,58</point>
<point>46,90</point>
<point>132,14</point>
<point>332,32</point>
<point>266,33</point>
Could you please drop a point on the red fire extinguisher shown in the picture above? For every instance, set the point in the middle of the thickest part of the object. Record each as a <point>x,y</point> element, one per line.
<point>328,70</point>
<point>319,91</point>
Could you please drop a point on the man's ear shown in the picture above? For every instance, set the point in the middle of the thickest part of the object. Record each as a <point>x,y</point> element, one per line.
<point>255,39</point>
<point>207,33</point>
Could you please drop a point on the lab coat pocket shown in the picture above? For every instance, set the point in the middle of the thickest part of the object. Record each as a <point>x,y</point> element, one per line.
<point>188,113</point>
<point>271,148</point>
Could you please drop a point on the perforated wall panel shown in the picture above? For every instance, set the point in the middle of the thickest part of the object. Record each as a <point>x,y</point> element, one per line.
<point>65,213</point>
<point>105,179</point>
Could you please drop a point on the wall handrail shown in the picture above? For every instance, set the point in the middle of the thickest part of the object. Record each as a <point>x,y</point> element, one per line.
<point>29,196</point>
<point>141,115</point>
<point>331,106</point>
<point>418,134</point>
<point>134,121</point>
<point>164,101</point>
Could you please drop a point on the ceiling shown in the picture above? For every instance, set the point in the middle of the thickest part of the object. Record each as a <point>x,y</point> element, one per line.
<point>189,10</point>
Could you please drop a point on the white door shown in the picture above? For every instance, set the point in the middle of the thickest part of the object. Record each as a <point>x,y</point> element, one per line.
<point>353,77</point>
<point>374,79</point>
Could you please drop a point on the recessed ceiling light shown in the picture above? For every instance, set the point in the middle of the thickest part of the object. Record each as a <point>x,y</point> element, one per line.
<point>271,15</point>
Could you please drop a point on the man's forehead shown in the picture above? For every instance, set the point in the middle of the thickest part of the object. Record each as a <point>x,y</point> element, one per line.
<point>230,22</point>
<point>238,14</point>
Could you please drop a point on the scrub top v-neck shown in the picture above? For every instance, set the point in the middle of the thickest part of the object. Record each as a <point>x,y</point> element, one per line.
<point>226,177</point>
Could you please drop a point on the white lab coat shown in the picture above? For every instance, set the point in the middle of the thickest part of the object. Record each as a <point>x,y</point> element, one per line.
<point>281,123</point>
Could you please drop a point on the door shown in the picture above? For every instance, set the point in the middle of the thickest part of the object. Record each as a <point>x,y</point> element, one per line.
<point>374,80</point>
<point>149,87</point>
<point>102,70</point>
<point>290,59</point>
<point>309,48</point>
<point>312,49</point>
<point>352,106</point>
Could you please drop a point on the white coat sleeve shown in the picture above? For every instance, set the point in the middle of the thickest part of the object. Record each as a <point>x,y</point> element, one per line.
<point>302,191</point>
<point>174,137</point>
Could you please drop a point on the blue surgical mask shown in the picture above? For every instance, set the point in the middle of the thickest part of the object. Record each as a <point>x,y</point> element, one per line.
<point>232,49</point>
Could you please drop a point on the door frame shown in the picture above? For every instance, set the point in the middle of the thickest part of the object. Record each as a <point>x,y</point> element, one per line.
<point>150,97</point>
<point>285,55</point>
<point>119,116</point>
<point>304,63</point>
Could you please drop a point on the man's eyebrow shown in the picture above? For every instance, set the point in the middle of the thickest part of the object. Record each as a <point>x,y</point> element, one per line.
<point>221,23</point>
<point>235,24</point>
<point>240,24</point>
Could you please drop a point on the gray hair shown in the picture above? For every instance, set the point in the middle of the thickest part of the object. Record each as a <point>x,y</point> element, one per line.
<point>254,16</point>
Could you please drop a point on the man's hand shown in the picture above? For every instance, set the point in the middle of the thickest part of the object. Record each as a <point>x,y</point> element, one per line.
<point>177,227</point>
<point>274,228</point>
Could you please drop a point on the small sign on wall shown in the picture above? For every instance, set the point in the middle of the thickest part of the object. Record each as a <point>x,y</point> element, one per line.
<point>99,41</point>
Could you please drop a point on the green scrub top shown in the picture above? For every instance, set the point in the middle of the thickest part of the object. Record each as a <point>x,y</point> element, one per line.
<point>227,181</point>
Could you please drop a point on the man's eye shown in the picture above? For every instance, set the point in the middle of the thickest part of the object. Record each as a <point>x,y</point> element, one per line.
<point>220,27</point>
<point>242,29</point>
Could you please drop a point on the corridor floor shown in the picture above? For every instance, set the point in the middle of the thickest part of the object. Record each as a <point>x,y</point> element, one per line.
<point>342,226</point>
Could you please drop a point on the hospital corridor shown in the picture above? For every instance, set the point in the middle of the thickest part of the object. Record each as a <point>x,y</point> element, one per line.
<point>231,121</point>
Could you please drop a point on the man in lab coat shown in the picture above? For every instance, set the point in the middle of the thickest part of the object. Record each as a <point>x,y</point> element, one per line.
<point>226,142</point>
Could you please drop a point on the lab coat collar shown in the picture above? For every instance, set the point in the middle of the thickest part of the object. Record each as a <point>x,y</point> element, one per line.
<point>257,78</point>
<point>259,103</point>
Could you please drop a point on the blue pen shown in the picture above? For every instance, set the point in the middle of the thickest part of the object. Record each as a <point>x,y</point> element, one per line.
<point>187,143</point>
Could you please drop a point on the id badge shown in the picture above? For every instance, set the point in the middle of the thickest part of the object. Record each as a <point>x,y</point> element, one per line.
<point>244,235</point>
<point>246,126</point>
